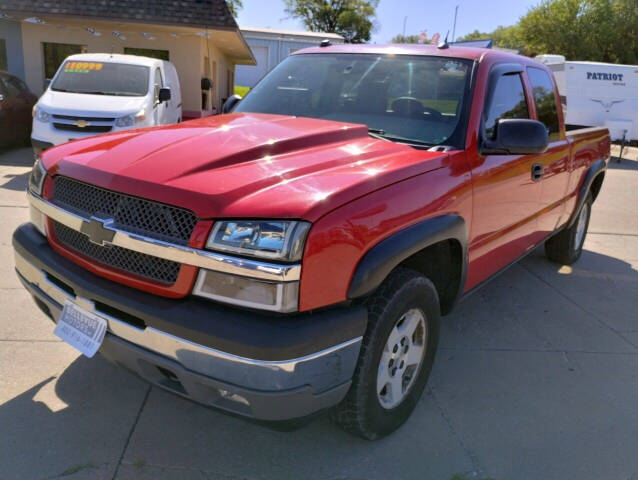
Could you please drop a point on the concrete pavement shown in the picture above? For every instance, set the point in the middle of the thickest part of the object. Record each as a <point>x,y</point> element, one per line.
<point>536,377</point>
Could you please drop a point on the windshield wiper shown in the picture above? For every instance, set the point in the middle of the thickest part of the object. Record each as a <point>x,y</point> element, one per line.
<point>381,134</point>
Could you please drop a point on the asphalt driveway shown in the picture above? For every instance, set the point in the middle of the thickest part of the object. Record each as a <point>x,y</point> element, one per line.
<point>536,378</point>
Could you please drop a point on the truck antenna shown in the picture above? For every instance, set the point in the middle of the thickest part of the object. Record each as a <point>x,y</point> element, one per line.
<point>443,45</point>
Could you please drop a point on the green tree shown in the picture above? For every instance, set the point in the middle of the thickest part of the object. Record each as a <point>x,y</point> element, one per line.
<point>352,19</point>
<point>506,37</point>
<point>406,39</point>
<point>597,30</point>
<point>234,6</point>
<point>475,35</point>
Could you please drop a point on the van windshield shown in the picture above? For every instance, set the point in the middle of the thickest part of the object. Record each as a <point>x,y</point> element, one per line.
<point>410,99</point>
<point>102,78</point>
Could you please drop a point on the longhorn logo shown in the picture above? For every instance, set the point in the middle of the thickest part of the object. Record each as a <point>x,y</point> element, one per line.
<point>606,104</point>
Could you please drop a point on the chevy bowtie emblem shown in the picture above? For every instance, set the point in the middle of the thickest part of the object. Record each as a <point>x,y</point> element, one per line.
<point>81,123</point>
<point>97,230</point>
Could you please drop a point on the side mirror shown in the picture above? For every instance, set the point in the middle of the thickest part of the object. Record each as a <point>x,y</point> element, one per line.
<point>164,95</point>
<point>230,103</point>
<point>206,84</point>
<point>516,136</point>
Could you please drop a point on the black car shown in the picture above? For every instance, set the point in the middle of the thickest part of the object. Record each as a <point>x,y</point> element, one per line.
<point>16,103</point>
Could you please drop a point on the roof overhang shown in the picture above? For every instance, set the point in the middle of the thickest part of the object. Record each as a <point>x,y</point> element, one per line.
<point>228,40</point>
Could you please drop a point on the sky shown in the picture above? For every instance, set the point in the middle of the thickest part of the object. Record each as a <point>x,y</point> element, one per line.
<point>430,15</point>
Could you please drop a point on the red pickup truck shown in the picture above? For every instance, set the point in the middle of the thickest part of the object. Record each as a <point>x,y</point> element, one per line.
<point>297,254</point>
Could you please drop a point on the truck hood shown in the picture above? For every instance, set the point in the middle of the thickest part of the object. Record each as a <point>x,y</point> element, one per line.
<point>80,104</point>
<point>244,165</point>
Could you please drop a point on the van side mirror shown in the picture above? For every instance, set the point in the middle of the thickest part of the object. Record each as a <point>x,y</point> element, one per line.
<point>164,95</point>
<point>230,103</point>
<point>516,136</point>
<point>206,83</point>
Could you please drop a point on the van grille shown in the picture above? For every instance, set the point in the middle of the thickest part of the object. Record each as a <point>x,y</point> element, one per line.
<point>69,127</point>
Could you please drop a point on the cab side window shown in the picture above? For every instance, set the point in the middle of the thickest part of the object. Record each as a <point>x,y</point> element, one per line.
<point>508,101</point>
<point>545,100</point>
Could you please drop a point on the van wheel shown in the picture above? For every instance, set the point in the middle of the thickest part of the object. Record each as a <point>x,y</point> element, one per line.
<point>567,246</point>
<point>396,356</point>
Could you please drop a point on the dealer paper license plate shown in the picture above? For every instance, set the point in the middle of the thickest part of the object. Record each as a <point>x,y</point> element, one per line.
<point>81,329</point>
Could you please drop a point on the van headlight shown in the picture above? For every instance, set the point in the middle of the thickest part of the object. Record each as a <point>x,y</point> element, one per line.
<point>130,120</point>
<point>271,239</point>
<point>36,179</point>
<point>40,115</point>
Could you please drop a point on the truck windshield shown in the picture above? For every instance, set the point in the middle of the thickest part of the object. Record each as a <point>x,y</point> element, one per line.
<point>411,99</point>
<point>102,78</point>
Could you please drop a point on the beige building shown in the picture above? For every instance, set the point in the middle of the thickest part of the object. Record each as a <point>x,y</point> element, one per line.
<point>200,37</point>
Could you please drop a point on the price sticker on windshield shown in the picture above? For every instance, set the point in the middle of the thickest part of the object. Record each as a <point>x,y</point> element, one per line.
<point>82,67</point>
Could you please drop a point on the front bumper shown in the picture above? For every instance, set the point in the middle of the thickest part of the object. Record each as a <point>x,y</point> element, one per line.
<point>40,146</point>
<point>262,366</point>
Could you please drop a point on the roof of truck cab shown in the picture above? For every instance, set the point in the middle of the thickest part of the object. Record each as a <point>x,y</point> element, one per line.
<point>114,57</point>
<point>470,53</point>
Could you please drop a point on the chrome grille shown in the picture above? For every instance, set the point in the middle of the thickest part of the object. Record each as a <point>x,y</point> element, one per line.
<point>131,214</point>
<point>147,266</point>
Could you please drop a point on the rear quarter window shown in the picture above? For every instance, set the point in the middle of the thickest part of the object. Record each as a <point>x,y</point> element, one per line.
<point>545,100</point>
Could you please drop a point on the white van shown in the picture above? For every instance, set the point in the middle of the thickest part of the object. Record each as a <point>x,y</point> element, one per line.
<point>597,94</point>
<point>95,93</point>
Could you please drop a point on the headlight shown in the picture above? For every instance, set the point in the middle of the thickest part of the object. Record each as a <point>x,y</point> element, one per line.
<point>36,179</point>
<point>40,115</point>
<point>272,239</point>
<point>130,120</point>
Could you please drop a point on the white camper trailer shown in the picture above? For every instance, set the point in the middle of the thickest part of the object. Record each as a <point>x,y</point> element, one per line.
<point>598,94</point>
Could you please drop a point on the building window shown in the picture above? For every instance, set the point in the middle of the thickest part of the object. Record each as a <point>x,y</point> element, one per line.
<point>3,54</point>
<point>56,53</point>
<point>147,52</point>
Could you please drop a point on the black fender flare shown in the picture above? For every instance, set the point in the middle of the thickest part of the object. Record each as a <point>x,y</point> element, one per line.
<point>597,168</point>
<point>385,256</point>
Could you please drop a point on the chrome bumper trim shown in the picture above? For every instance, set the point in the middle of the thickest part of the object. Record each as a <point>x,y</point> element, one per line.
<point>321,370</point>
<point>176,253</point>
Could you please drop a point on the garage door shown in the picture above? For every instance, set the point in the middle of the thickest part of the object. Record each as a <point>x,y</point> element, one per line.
<point>247,76</point>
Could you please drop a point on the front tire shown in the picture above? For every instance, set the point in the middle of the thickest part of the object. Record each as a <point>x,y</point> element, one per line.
<point>567,246</point>
<point>396,356</point>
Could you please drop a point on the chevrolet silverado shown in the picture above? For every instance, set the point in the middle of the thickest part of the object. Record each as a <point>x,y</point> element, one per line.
<point>296,253</point>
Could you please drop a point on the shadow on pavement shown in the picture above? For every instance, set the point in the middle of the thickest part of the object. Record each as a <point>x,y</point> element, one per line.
<point>16,157</point>
<point>16,182</point>
<point>624,164</point>
<point>75,425</point>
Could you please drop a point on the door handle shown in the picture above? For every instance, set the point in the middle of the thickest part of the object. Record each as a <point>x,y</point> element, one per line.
<point>537,172</point>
